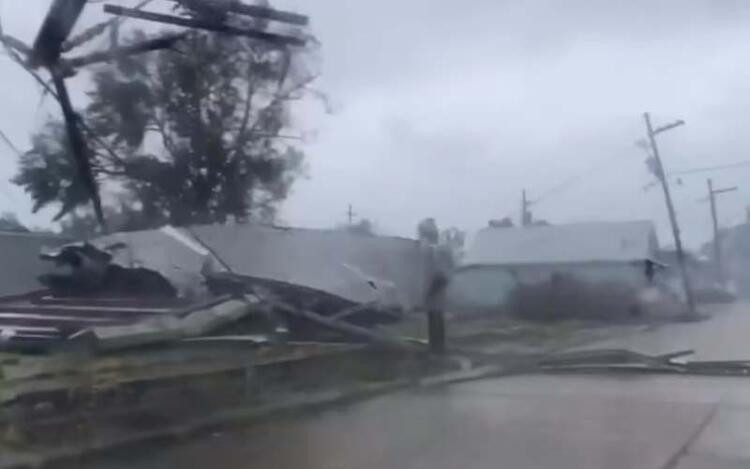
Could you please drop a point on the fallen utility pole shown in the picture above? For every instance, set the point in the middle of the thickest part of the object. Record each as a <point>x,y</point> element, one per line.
<point>57,25</point>
<point>661,175</point>
<point>80,150</point>
<point>712,193</point>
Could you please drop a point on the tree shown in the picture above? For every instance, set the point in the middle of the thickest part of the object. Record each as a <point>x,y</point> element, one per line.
<point>193,135</point>
<point>363,227</point>
<point>9,223</point>
<point>428,232</point>
<point>82,224</point>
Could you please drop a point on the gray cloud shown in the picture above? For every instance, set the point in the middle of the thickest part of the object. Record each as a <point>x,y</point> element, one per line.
<point>449,112</point>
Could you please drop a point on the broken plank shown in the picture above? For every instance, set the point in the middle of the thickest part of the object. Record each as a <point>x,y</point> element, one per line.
<point>83,309</point>
<point>126,302</point>
<point>14,319</point>
<point>346,312</point>
<point>347,328</point>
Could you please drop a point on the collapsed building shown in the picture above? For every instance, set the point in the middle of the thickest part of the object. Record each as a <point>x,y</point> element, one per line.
<point>327,272</point>
<point>219,311</point>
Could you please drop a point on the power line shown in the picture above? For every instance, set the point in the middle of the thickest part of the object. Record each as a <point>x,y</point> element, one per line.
<point>710,168</point>
<point>573,179</point>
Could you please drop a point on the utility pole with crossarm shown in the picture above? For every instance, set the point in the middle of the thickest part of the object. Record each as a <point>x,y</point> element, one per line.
<point>712,193</point>
<point>660,174</point>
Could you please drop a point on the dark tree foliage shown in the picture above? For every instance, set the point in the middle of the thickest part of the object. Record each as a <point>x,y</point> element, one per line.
<point>362,227</point>
<point>9,223</point>
<point>192,135</point>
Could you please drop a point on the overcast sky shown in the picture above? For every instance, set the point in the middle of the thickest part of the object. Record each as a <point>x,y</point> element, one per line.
<point>449,112</point>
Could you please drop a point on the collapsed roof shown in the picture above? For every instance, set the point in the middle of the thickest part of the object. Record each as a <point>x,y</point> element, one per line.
<point>354,267</point>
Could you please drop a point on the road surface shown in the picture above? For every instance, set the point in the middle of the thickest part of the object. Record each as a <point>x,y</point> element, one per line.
<point>725,335</point>
<point>538,421</point>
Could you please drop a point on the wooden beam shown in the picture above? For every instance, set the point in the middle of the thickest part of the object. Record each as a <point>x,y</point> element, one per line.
<point>56,28</point>
<point>207,25</point>
<point>346,328</point>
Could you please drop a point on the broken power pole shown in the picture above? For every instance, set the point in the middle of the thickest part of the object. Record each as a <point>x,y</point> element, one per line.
<point>660,174</point>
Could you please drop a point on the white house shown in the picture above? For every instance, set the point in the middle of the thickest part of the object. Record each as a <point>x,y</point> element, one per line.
<point>500,258</point>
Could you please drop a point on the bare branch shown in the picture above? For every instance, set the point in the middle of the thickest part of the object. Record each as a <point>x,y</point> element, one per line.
<point>8,142</point>
<point>239,140</point>
<point>279,97</point>
<point>16,44</point>
<point>165,138</point>
<point>243,133</point>
<point>163,42</point>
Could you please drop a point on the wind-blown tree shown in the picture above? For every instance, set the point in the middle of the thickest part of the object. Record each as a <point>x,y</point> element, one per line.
<point>193,134</point>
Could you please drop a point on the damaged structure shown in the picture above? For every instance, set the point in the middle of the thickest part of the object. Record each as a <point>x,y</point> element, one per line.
<point>141,310</point>
<point>133,278</point>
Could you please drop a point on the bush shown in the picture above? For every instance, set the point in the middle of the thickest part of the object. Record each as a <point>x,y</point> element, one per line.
<point>565,297</point>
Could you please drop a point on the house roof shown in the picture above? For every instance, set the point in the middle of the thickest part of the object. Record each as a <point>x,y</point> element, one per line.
<point>571,243</point>
<point>332,261</point>
<point>19,260</point>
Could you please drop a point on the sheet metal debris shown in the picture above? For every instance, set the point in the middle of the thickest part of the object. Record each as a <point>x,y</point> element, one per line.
<point>83,269</point>
<point>94,301</point>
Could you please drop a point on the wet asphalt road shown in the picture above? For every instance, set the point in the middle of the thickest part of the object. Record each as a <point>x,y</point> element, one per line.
<point>555,421</point>
<point>724,336</point>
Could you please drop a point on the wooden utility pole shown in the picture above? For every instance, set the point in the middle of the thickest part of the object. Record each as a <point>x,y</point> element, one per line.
<point>717,242</point>
<point>350,215</point>
<point>525,213</point>
<point>660,174</point>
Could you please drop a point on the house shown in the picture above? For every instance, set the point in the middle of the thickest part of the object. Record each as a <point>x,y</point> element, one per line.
<point>358,268</point>
<point>20,264</point>
<point>735,249</point>
<point>501,258</point>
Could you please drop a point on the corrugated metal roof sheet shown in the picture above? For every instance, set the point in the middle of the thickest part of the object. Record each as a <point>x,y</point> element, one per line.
<point>38,319</point>
<point>19,260</point>
<point>579,242</point>
<point>157,250</point>
<point>332,261</point>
